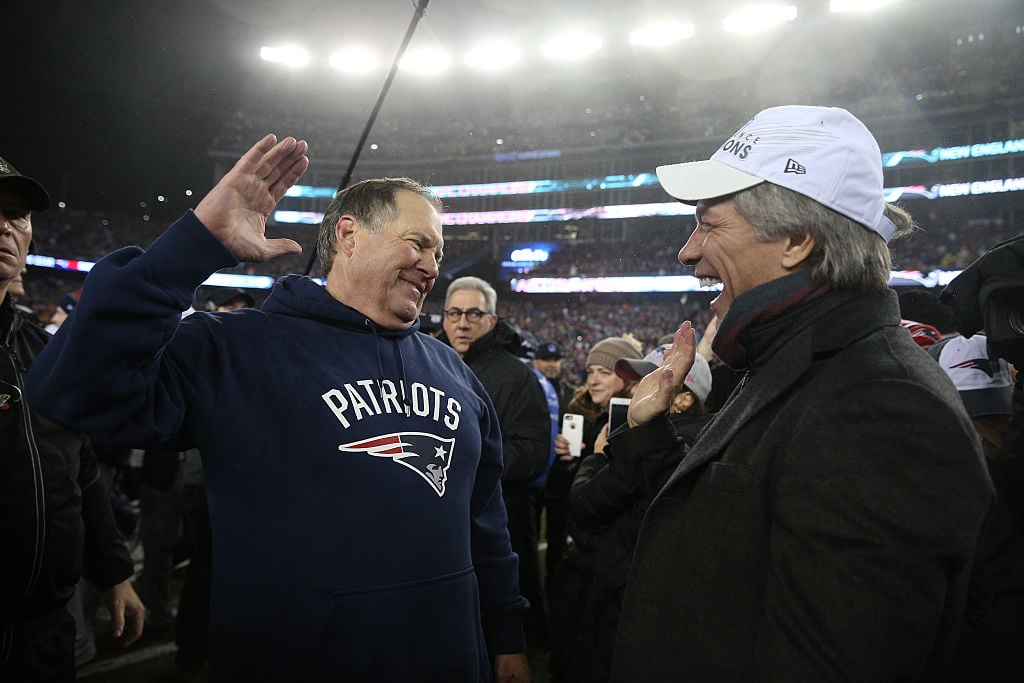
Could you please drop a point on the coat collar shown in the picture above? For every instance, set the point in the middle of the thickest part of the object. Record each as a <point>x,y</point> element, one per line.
<point>782,352</point>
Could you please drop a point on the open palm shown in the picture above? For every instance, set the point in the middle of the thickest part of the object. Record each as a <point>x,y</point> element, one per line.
<point>654,394</point>
<point>237,208</point>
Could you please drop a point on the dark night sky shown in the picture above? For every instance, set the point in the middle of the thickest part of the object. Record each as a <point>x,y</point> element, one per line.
<point>113,101</point>
<point>108,102</point>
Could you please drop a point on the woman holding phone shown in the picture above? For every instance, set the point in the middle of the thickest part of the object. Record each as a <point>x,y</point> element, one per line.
<point>569,587</point>
<point>607,494</point>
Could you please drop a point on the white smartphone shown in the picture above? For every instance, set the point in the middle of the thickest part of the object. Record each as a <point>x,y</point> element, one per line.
<point>618,408</point>
<point>572,430</point>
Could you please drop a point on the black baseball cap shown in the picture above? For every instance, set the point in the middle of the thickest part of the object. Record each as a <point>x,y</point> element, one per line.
<point>31,191</point>
<point>225,295</point>
<point>548,351</point>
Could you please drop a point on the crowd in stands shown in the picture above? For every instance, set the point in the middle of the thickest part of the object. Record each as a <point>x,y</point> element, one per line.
<point>638,111</point>
<point>576,322</point>
<point>946,241</point>
<point>634,114</point>
<point>570,320</point>
<point>602,259</point>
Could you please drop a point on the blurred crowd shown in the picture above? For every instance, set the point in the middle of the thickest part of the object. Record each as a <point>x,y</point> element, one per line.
<point>641,108</point>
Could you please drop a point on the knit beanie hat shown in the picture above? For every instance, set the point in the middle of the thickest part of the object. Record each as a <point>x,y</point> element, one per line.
<point>607,351</point>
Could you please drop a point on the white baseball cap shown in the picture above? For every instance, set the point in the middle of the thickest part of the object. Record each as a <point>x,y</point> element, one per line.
<point>984,383</point>
<point>698,379</point>
<point>824,153</point>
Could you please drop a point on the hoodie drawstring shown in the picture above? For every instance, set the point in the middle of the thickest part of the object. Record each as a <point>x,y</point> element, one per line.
<point>380,365</point>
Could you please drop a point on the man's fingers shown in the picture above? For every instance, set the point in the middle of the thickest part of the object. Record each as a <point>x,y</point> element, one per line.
<point>280,158</point>
<point>134,628</point>
<point>117,618</point>
<point>281,245</point>
<point>253,159</point>
<point>289,175</point>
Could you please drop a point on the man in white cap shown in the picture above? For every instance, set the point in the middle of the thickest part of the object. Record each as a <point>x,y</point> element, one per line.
<point>823,525</point>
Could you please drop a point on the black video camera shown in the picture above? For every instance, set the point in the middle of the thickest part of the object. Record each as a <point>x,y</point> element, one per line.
<point>989,295</point>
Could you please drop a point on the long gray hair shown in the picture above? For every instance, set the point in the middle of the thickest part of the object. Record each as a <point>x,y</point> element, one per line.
<point>846,255</point>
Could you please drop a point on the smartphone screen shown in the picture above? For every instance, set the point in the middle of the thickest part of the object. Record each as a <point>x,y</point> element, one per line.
<point>617,410</point>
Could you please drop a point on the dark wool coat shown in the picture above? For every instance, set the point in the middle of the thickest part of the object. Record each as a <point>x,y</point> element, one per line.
<point>823,526</point>
<point>55,516</point>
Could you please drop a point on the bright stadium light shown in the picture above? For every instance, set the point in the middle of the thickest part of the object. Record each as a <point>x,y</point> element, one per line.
<point>353,60</point>
<point>661,34</point>
<point>757,18</point>
<point>837,6</point>
<point>289,55</point>
<point>426,61</point>
<point>493,56</point>
<point>571,46</point>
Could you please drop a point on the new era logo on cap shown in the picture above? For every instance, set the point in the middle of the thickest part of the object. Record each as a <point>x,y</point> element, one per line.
<point>794,167</point>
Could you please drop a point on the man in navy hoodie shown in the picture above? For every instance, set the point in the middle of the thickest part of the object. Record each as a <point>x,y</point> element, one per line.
<point>354,488</point>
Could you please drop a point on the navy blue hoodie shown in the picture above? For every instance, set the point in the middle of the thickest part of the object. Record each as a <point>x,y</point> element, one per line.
<point>353,472</point>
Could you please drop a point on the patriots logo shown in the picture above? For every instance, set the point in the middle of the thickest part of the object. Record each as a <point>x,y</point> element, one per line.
<point>986,365</point>
<point>425,454</point>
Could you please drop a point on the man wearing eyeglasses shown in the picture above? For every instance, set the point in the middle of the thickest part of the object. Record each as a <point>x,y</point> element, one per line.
<point>472,328</point>
<point>56,522</point>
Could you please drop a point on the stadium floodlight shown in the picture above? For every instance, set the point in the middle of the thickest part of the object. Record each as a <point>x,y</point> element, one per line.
<point>661,34</point>
<point>757,18</point>
<point>426,61</point>
<point>838,6</point>
<point>289,55</point>
<point>353,60</point>
<point>571,46</point>
<point>493,56</point>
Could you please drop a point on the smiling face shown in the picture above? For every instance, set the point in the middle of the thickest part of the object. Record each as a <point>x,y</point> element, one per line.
<point>386,275</point>
<point>15,236</point>
<point>603,384</point>
<point>463,332</point>
<point>723,249</point>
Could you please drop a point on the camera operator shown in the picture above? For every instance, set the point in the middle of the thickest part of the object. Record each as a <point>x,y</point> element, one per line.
<point>989,295</point>
<point>987,301</point>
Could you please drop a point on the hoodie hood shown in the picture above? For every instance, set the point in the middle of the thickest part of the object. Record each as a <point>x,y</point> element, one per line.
<point>304,297</point>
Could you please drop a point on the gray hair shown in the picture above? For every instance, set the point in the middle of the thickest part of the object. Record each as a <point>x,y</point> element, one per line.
<point>371,202</point>
<point>846,255</point>
<point>476,284</point>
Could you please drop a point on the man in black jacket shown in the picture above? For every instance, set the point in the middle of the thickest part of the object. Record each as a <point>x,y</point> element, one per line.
<point>472,328</point>
<point>56,521</point>
<point>823,525</point>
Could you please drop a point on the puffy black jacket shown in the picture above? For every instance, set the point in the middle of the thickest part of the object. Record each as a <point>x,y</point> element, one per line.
<point>519,401</point>
<point>56,522</point>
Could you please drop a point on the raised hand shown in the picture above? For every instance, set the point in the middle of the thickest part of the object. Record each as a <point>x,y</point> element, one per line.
<point>237,208</point>
<point>707,339</point>
<point>654,394</point>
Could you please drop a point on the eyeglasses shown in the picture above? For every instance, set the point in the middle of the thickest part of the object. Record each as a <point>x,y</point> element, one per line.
<point>473,315</point>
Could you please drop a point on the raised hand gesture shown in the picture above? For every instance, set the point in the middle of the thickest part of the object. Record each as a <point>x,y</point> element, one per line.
<point>237,207</point>
<point>654,394</point>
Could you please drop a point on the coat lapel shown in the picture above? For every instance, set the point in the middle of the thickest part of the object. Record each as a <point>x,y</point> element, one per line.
<point>758,391</point>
